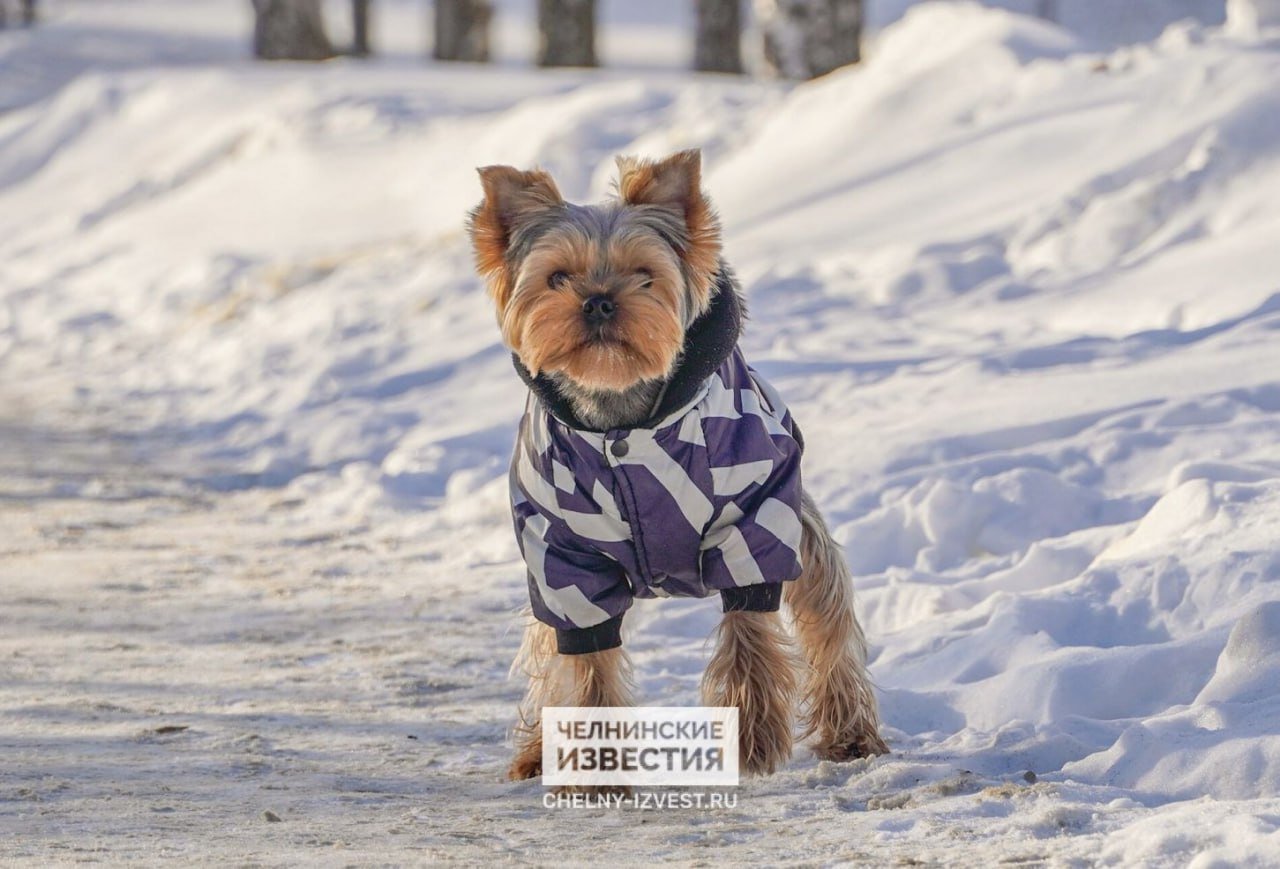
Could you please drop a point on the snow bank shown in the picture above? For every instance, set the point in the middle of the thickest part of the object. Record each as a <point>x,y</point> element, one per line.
<point>1103,23</point>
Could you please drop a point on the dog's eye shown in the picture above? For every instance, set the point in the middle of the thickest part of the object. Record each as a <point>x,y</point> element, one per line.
<point>646,278</point>
<point>557,280</point>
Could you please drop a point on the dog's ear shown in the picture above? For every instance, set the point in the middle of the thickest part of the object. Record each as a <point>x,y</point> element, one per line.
<point>511,197</point>
<point>675,182</point>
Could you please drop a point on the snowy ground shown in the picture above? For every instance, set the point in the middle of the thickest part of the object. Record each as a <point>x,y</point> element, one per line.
<point>1022,295</point>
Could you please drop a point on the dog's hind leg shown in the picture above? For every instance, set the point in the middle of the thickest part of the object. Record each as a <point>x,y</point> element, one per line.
<point>591,679</point>
<point>753,668</point>
<point>840,708</point>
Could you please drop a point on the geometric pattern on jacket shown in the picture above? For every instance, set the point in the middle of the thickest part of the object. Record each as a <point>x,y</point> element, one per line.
<point>706,500</point>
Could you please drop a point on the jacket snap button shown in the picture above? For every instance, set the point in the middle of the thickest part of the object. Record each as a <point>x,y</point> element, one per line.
<point>620,448</point>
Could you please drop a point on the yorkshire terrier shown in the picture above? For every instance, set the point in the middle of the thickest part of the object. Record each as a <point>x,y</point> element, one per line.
<point>653,462</point>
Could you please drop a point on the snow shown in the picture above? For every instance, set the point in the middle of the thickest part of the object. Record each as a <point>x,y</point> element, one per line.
<point>1019,289</point>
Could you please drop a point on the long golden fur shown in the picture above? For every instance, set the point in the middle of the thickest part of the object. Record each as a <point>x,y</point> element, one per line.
<point>840,708</point>
<point>547,329</point>
<point>593,679</point>
<point>753,668</point>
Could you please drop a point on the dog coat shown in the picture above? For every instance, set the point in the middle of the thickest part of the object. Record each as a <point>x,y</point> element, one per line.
<point>705,499</point>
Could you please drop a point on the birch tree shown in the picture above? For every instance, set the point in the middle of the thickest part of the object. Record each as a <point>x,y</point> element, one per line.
<point>808,38</point>
<point>1253,16</point>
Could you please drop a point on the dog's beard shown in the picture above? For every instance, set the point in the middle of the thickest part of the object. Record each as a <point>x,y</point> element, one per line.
<point>640,345</point>
<point>608,364</point>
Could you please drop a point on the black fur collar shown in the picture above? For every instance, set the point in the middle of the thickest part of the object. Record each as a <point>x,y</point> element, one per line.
<point>707,344</point>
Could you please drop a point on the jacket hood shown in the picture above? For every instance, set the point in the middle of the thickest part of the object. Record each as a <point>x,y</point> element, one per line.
<point>707,344</point>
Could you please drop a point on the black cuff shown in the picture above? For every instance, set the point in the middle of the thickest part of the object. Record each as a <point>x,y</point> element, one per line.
<point>597,638</point>
<point>764,597</point>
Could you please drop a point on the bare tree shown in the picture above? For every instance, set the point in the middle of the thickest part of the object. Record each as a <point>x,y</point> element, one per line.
<point>718,45</point>
<point>809,38</point>
<point>290,30</point>
<point>360,28</point>
<point>462,30</point>
<point>1047,9</point>
<point>566,32</point>
<point>28,13</point>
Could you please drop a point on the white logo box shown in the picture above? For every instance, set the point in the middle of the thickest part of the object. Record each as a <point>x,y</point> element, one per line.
<point>653,746</point>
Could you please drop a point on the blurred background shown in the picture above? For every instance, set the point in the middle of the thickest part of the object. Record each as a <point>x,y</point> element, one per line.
<point>791,38</point>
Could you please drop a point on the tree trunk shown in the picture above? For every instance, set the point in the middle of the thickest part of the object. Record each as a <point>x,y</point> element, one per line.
<point>566,32</point>
<point>290,30</point>
<point>1253,16</point>
<point>28,12</point>
<point>1047,9</point>
<point>462,30</point>
<point>718,46</point>
<point>360,28</point>
<point>809,38</point>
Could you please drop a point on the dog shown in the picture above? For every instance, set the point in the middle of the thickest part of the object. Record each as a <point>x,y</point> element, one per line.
<point>652,461</point>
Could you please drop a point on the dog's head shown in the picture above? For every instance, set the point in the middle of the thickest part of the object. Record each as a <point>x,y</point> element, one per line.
<point>600,294</point>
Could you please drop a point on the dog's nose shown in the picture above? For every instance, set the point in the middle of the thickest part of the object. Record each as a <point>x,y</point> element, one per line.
<point>597,309</point>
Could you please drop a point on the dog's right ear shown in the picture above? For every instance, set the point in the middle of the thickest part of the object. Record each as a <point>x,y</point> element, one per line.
<point>510,198</point>
<point>675,183</point>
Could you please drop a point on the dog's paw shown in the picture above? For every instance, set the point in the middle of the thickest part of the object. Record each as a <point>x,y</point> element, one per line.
<point>765,757</point>
<point>765,742</point>
<point>841,750</point>
<point>525,767</point>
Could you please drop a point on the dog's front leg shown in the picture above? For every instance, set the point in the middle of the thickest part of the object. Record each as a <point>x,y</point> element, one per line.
<point>534,660</point>
<point>753,668</point>
<point>591,679</point>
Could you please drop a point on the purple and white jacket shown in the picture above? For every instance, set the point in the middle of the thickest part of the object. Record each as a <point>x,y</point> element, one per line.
<point>703,498</point>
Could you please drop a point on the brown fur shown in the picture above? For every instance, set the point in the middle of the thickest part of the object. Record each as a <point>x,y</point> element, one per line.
<point>547,329</point>
<point>753,668</point>
<point>840,706</point>
<point>676,182</point>
<point>593,679</point>
<point>510,195</point>
<point>533,661</point>
<point>636,267</point>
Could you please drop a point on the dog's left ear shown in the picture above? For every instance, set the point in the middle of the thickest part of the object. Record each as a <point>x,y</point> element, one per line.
<point>511,198</point>
<point>676,182</point>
